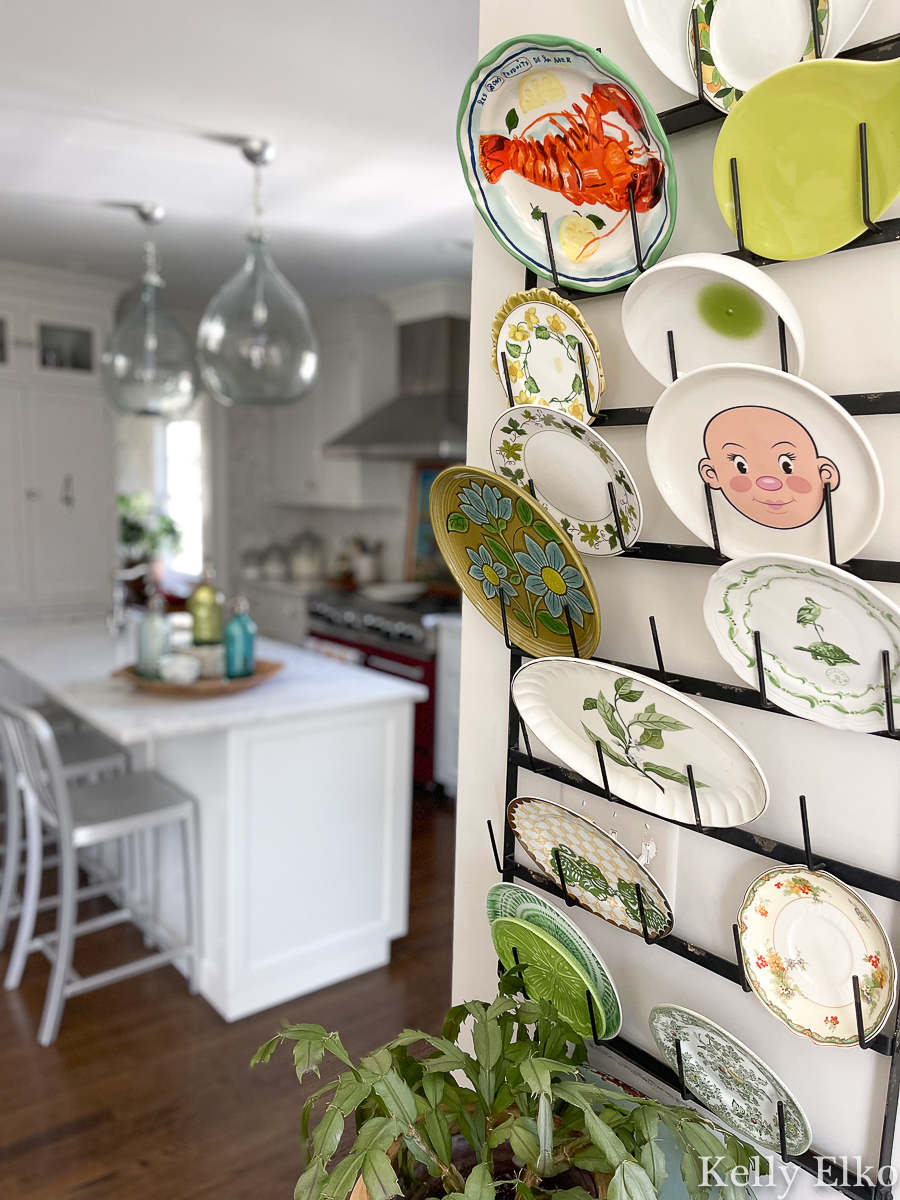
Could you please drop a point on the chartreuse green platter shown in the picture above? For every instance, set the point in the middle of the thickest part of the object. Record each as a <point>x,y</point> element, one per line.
<point>796,140</point>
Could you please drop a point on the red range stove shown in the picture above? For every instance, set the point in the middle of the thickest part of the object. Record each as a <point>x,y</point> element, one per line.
<point>385,637</point>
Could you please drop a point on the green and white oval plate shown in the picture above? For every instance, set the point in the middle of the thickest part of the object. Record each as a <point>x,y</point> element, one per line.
<point>512,900</point>
<point>599,872</point>
<point>822,633</point>
<point>502,547</point>
<point>571,468</point>
<point>726,1076</point>
<point>549,972</point>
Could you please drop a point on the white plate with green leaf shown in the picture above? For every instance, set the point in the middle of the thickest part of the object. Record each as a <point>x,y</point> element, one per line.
<point>571,468</point>
<point>822,633</point>
<point>540,333</point>
<point>513,900</point>
<point>599,872</point>
<point>649,735</point>
<point>726,1076</point>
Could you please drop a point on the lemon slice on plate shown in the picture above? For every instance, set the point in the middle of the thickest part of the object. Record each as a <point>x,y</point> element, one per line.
<point>539,88</point>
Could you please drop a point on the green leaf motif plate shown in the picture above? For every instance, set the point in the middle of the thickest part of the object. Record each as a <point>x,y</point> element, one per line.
<point>649,735</point>
<point>511,900</point>
<point>822,633</point>
<point>549,972</point>
<point>502,547</point>
<point>796,140</point>
<point>599,872</point>
<point>571,468</point>
<point>804,935</point>
<point>540,333</point>
<point>741,44</point>
<point>733,1082</point>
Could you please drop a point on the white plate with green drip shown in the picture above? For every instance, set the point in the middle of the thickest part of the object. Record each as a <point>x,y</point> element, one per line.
<point>718,310</point>
<point>822,633</point>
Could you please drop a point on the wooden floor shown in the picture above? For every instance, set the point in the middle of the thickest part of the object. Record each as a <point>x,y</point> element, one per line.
<point>147,1093</point>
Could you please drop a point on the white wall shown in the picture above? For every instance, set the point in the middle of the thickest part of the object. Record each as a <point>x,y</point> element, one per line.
<point>850,305</point>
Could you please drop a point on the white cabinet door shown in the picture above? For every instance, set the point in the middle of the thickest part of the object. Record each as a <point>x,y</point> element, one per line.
<point>13,561</point>
<point>70,496</point>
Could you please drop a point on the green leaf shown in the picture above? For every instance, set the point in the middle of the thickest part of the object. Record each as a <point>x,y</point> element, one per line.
<point>342,1178</point>
<point>308,1053</point>
<point>351,1091</point>
<point>572,341</point>
<point>536,213</point>
<point>523,512</point>
<point>545,1132</point>
<point>651,719</point>
<point>536,1075</point>
<point>379,1176</point>
<point>672,774</point>
<point>652,738</point>
<point>607,749</point>
<point>625,690</point>
<point>327,1133</point>
<point>590,704</point>
<point>552,623</point>
<point>631,1182</point>
<point>512,120</point>
<point>488,1042</point>
<point>378,1133</point>
<point>264,1053</point>
<point>378,1063</point>
<point>532,386</point>
<point>610,719</point>
<point>827,652</point>
<point>433,1087</point>
<point>437,1127</point>
<point>705,1142</point>
<point>500,1133</point>
<point>524,1141</point>
<point>652,1158</point>
<point>598,222</point>
<point>593,1160</point>
<point>457,522</point>
<point>500,552</point>
<point>479,1185</point>
<point>335,1045</point>
<point>512,350</point>
<point>692,1173</point>
<point>546,532</point>
<point>739,1152</point>
<point>577,385</point>
<point>604,1138</point>
<point>309,1185</point>
<point>398,1098</point>
<point>542,333</point>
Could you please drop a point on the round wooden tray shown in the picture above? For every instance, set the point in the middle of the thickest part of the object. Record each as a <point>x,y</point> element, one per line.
<point>200,689</point>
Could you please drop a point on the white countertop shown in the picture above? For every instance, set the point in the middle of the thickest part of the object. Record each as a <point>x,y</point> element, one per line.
<point>72,662</point>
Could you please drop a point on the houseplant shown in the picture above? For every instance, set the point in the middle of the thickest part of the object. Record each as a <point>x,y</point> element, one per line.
<point>146,532</point>
<point>526,1122</point>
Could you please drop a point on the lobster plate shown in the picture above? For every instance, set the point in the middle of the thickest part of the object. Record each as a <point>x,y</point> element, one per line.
<point>549,126</point>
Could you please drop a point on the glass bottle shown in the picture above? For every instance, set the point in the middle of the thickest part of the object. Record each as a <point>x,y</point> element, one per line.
<point>205,606</point>
<point>240,638</point>
<point>153,637</point>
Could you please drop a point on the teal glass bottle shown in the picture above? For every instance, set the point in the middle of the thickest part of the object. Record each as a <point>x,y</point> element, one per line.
<point>240,640</point>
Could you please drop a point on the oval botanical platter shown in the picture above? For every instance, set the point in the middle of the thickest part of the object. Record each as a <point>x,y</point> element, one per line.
<point>571,469</point>
<point>548,972</point>
<point>599,872</point>
<point>743,44</point>
<point>540,333</point>
<point>718,309</point>
<point>804,935</point>
<point>733,1082</point>
<point>548,127</point>
<point>648,734</point>
<point>502,547</point>
<point>822,633</point>
<point>766,443</point>
<point>660,26</point>
<point>512,900</point>
<point>796,142</point>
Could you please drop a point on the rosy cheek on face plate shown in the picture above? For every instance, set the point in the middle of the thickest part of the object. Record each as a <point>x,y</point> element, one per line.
<point>741,483</point>
<point>796,484</point>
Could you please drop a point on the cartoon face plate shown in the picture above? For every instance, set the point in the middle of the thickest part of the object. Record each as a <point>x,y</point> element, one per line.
<point>767,445</point>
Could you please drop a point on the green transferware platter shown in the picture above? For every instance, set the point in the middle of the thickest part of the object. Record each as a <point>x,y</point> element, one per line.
<point>500,544</point>
<point>795,137</point>
<point>513,900</point>
<point>729,1079</point>
<point>549,972</point>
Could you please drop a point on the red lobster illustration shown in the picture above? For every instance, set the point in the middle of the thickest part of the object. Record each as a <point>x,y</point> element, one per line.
<point>582,162</point>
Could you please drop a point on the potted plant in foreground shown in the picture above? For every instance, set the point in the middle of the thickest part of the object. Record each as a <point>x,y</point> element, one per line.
<point>527,1121</point>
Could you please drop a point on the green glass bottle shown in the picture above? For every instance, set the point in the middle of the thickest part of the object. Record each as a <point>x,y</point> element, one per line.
<point>205,606</point>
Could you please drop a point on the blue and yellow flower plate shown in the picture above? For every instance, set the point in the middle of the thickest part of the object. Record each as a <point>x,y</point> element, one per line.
<point>502,547</point>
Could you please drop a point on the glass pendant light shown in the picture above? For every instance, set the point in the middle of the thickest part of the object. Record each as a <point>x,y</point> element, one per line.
<point>148,366</point>
<point>255,344</point>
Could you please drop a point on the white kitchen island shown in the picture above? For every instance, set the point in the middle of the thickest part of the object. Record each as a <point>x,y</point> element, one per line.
<point>304,790</point>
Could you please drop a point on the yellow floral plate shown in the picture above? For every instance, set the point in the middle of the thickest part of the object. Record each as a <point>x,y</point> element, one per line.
<point>540,333</point>
<point>804,935</point>
<point>571,469</point>
<point>501,546</point>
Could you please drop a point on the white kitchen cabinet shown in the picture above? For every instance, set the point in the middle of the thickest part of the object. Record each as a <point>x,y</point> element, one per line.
<point>14,588</point>
<point>357,374</point>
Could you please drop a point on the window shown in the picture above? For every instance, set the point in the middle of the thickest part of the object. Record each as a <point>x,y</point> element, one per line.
<point>184,492</point>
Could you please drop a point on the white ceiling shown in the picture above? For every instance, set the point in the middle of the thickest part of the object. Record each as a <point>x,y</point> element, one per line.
<point>111,100</point>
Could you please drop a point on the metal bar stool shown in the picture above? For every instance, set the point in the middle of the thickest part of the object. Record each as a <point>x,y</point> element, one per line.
<point>89,814</point>
<point>85,754</point>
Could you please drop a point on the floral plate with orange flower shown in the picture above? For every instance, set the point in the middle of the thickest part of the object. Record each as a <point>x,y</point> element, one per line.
<point>804,936</point>
<point>571,470</point>
<point>539,333</point>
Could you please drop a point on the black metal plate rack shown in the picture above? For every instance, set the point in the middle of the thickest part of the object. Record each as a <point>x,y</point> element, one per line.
<point>691,115</point>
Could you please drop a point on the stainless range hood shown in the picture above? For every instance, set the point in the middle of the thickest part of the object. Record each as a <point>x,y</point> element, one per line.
<point>427,420</point>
